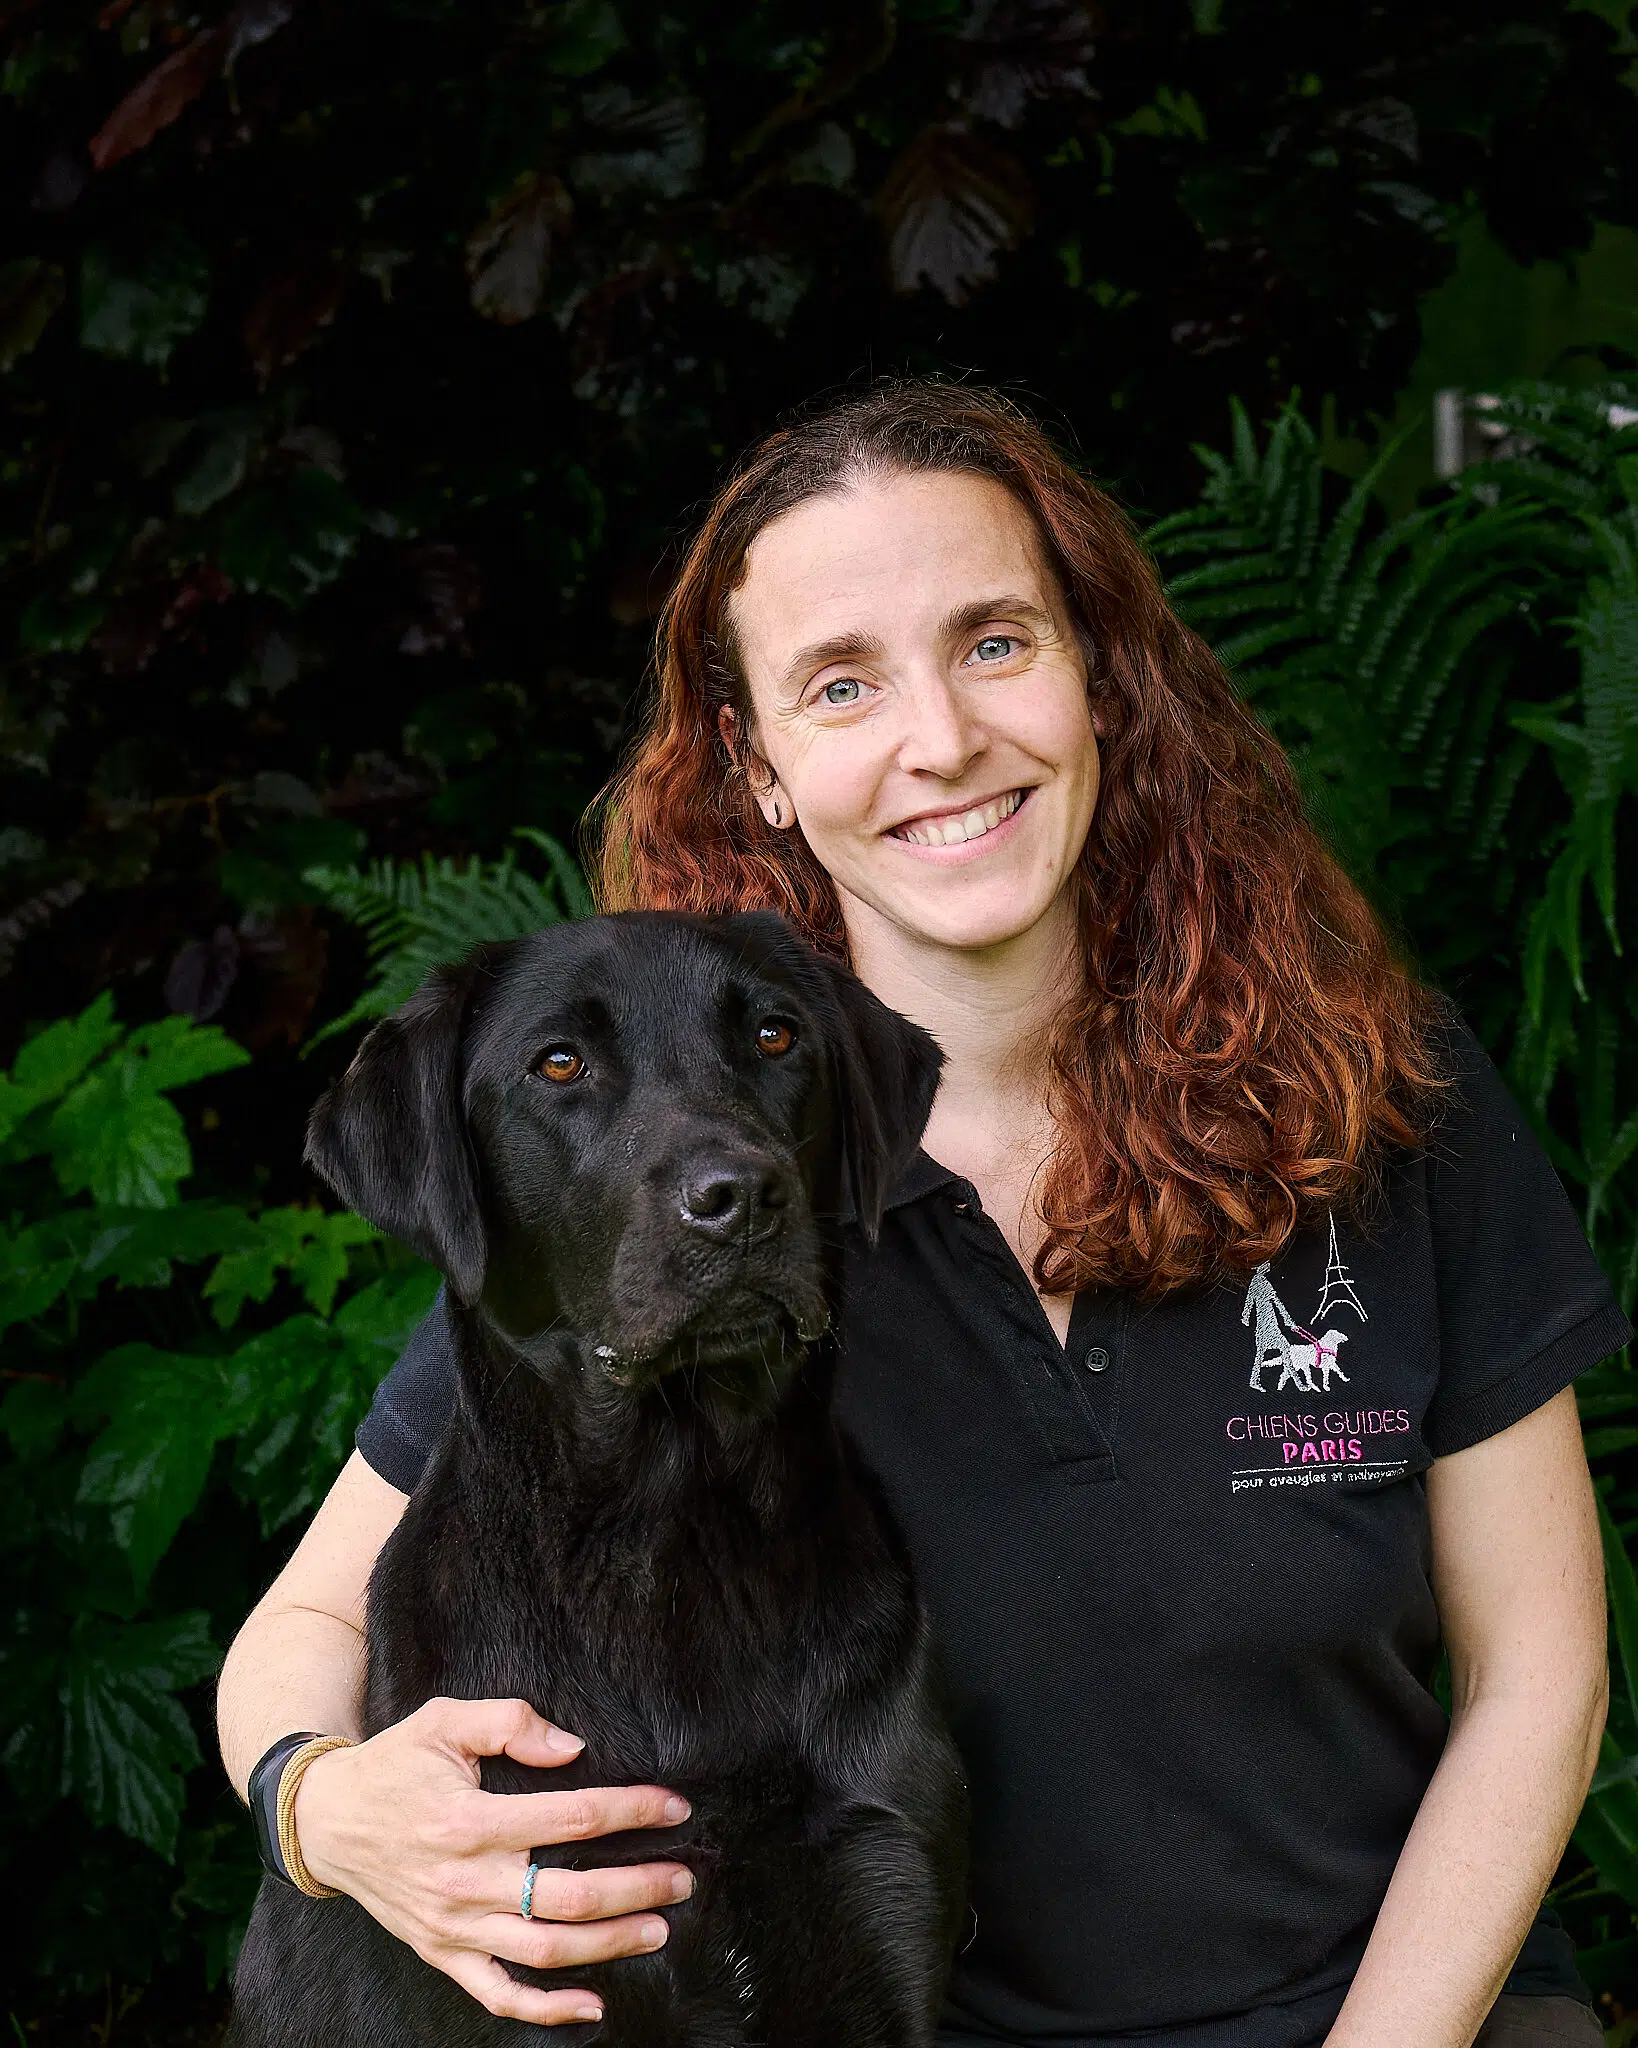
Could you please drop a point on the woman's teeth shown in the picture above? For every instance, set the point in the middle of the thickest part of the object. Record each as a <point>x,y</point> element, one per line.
<point>957,829</point>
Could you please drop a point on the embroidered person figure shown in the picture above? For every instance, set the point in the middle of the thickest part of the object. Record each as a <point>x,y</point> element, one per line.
<point>1275,1327</point>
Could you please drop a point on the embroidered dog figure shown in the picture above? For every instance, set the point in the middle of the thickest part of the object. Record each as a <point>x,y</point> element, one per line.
<point>1304,1360</point>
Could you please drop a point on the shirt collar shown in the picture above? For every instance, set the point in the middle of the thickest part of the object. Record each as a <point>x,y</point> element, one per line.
<point>919,1178</point>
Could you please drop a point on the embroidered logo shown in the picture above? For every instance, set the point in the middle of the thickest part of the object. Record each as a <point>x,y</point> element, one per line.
<point>1294,1446</point>
<point>1312,1363</point>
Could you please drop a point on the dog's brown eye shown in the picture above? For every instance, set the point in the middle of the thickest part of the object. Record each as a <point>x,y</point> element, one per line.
<point>562,1063</point>
<point>775,1038</point>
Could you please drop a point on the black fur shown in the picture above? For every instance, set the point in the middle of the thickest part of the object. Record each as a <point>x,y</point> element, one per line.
<point>641,1518</point>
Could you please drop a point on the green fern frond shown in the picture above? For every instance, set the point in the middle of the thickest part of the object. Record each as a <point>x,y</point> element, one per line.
<point>424,915</point>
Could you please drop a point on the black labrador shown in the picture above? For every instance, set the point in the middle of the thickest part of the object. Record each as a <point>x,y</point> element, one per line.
<point>625,1144</point>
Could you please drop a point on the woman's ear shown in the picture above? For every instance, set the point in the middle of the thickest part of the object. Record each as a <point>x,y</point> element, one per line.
<point>770,799</point>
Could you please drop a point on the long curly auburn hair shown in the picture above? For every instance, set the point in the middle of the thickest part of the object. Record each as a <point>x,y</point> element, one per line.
<point>1245,1045</point>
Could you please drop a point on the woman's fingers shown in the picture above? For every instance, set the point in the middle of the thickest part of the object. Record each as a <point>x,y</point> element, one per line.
<point>521,1820</point>
<point>603,1894</point>
<point>491,1986</point>
<point>561,1944</point>
<point>473,1728</point>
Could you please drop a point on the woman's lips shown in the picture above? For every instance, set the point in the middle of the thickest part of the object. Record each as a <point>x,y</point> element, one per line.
<point>955,828</point>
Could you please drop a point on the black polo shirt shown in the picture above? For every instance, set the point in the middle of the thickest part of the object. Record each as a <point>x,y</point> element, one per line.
<point>1178,1572</point>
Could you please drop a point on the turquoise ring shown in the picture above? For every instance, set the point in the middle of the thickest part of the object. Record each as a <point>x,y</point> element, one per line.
<point>526,1904</point>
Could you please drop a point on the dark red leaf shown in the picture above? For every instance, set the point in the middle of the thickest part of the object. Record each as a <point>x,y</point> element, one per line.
<point>448,589</point>
<point>202,974</point>
<point>1020,51</point>
<point>159,98</point>
<point>508,255</point>
<point>951,204</point>
<point>291,309</point>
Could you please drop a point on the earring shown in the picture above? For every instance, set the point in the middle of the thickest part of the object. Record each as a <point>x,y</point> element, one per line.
<point>779,815</point>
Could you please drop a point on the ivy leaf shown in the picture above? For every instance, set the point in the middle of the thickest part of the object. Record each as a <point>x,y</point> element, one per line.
<point>950,205</point>
<point>100,1722</point>
<point>30,292</point>
<point>135,1247</point>
<point>292,537</point>
<point>167,1411</point>
<point>142,314</point>
<point>157,100</point>
<point>308,1243</point>
<point>507,255</point>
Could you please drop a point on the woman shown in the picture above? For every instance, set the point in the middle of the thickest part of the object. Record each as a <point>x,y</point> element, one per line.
<point>1215,1355</point>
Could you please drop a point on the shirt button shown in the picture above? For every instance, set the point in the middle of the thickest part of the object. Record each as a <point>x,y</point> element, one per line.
<point>1097,1359</point>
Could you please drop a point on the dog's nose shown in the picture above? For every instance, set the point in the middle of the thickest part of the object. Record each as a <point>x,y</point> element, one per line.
<point>745,1199</point>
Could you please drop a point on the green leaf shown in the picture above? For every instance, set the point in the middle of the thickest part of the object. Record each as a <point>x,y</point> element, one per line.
<point>1603,1443</point>
<point>1607,1830</point>
<point>178,1051</point>
<point>54,1059</point>
<point>1623,1589</point>
<point>34,1415</point>
<point>135,1247</point>
<point>125,1741</point>
<point>586,34</point>
<point>116,1134</point>
<point>309,1244</point>
<point>35,1271</point>
<point>120,1140</point>
<point>220,467</point>
<point>309,1383</point>
<point>292,537</point>
<point>31,290</point>
<point>140,310</point>
<point>167,1411</point>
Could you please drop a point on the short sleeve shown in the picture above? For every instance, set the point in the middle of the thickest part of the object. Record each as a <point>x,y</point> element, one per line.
<point>412,1404</point>
<point>1523,1304</point>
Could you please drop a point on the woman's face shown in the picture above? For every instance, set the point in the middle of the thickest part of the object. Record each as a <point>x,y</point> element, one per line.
<point>920,700</point>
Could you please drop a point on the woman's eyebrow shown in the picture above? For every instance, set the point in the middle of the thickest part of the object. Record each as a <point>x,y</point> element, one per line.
<point>1008,606</point>
<point>840,647</point>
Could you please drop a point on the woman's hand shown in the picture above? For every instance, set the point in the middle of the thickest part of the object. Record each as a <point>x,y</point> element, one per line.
<point>400,1824</point>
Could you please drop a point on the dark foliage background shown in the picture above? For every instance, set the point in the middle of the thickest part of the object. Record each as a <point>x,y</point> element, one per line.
<point>361,367</point>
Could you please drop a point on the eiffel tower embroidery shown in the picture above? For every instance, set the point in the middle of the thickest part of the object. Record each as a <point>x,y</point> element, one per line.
<point>1338,1287</point>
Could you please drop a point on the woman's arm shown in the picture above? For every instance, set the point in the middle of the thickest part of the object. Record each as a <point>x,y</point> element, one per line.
<point>298,1662</point>
<point>1518,1574</point>
<point>400,1823</point>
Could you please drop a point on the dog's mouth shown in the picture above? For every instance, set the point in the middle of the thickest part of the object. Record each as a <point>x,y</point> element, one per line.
<point>759,1339</point>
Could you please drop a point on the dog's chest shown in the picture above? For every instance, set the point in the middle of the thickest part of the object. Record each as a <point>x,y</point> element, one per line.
<point>690,1643</point>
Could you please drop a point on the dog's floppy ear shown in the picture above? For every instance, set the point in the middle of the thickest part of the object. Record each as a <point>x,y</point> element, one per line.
<point>887,1073</point>
<point>391,1139</point>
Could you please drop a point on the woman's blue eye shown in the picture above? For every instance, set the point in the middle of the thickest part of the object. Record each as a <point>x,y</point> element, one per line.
<point>844,691</point>
<point>995,646</point>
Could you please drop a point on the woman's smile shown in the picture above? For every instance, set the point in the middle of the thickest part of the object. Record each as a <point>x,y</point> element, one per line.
<point>952,831</point>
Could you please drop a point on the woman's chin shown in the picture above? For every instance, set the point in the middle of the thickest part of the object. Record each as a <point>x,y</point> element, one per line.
<point>968,920</point>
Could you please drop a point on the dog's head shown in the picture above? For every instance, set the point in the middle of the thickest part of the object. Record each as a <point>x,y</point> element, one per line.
<point>633,1129</point>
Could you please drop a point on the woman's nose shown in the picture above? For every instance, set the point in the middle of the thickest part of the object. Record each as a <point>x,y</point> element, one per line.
<point>940,737</point>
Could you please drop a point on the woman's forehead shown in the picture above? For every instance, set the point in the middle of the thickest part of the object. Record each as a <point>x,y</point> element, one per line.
<point>886,555</point>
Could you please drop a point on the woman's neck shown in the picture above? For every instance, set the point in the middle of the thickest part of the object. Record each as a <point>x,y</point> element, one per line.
<point>991,1010</point>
